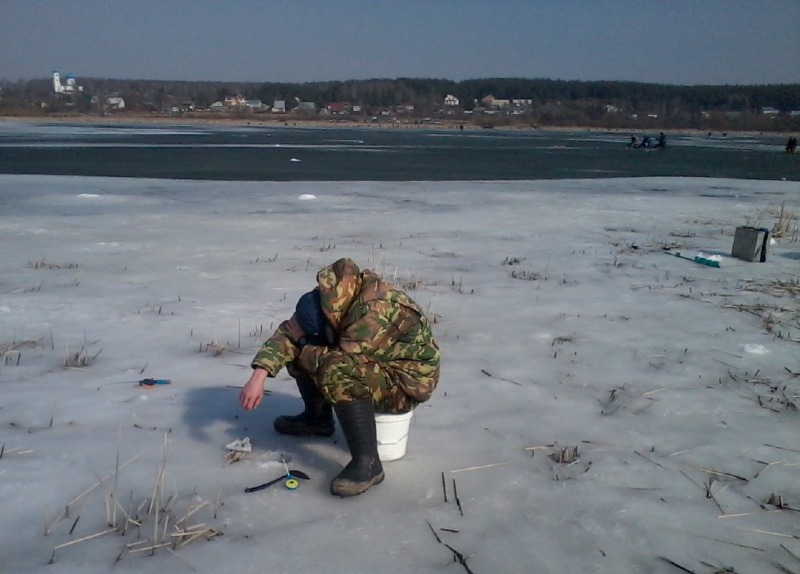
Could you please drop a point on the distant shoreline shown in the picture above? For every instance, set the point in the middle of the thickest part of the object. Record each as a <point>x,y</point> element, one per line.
<point>272,122</point>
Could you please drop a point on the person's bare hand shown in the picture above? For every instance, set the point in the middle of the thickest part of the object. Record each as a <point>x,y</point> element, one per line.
<point>253,390</point>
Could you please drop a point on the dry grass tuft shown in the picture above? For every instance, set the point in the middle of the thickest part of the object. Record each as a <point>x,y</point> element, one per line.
<point>526,275</point>
<point>14,345</point>
<point>80,358</point>
<point>163,520</point>
<point>44,263</point>
<point>786,226</point>
<point>218,349</point>
<point>513,260</point>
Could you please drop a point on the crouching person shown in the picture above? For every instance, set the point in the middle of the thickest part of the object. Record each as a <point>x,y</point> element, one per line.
<point>356,345</point>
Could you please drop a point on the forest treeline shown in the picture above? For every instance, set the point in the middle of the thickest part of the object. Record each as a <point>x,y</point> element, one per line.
<point>553,102</point>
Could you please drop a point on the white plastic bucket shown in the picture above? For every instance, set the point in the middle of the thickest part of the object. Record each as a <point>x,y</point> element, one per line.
<point>392,431</point>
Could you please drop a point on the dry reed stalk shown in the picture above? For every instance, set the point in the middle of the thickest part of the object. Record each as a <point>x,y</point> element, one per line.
<point>85,538</point>
<point>676,565</point>
<point>782,535</point>
<point>165,506</point>
<point>128,521</point>
<point>164,532</point>
<point>478,467</point>
<point>158,487</point>
<point>155,525</point>
<point>15,450</point>
<point>439,540</point>
<point>207,533</point>
<point>189,540</point>
<point>782,448</point>
<point>108,503</point>
<point>795,556</point>
<point>648,459</point>
<point>718,472</point>
<point>120,555</point>
<point>684,451</point>
<point>152,547</point>
<point>540,447</point>
<point>189,512</point>
<point>684,532</point>
<point>458,500</point>
<point>706,488</point>
<point>740,514</point>
<point>74,524</point>
<point>218,503</point>
<point>767,467</point>
<point>490,375</point>
<point>190,531</point>
<point>116,478</point>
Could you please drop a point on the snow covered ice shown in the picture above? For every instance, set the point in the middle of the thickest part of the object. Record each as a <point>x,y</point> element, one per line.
<point>562,324</point>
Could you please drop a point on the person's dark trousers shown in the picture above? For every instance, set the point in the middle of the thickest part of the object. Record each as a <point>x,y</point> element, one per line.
<point>315,420</point>
<point>357,420</point>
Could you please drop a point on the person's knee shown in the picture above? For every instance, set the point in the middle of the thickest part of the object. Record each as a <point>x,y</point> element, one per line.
<point>343,381</point>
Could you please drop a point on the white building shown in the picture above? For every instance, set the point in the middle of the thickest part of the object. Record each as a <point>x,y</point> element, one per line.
<point>115,103</point>
<point>451,100</point>
<point>70,87</point>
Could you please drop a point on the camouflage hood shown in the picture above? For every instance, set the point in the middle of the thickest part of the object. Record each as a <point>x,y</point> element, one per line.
<point>339,285</point>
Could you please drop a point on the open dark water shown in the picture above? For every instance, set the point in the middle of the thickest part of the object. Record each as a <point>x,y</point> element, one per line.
<point>375,154</point>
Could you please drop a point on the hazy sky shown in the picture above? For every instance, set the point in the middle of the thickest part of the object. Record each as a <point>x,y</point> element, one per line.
<point>672,42</point>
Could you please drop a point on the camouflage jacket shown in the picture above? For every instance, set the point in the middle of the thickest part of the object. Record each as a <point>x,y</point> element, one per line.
<point>372,321</point>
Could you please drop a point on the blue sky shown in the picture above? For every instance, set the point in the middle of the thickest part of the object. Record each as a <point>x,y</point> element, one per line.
<point>671,42</point>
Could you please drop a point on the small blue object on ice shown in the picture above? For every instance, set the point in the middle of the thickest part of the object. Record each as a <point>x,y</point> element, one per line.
<point>705,261</point>
<point>153,382</point>
<point>696,259</point>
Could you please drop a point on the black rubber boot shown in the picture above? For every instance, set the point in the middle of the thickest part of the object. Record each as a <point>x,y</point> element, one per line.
<point>315,420</point>
<point>357,419</point>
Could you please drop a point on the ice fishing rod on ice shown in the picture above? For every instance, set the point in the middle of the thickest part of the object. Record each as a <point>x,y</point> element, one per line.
<point>147,383</point>
<point>696,259</point>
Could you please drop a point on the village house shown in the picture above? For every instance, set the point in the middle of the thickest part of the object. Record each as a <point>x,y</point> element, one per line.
<point>255,105</point>
<point>306,107</point>
<point>115,104</point>
<point>451,101</point>
<point>236,101</point>
<point>338,108</point>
